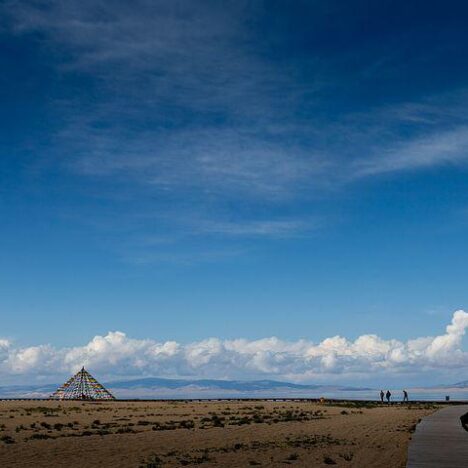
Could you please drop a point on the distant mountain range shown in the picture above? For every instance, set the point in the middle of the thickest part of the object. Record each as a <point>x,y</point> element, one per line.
<point>181,388</point>
<point>462,384</point>
<point>159,388</point>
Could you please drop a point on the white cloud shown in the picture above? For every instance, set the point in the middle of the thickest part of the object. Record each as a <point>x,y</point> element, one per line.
<point>159,65</point>
<point>334,359</point>
<point>435,149</point>
<point>265,228</point>
<point>156,63</point>
<point>185,104</point>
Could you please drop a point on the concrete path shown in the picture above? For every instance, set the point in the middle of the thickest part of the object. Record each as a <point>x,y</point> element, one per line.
<point>440,441</point>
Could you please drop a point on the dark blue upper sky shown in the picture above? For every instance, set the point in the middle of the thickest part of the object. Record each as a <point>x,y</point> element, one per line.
<point>186,169</point>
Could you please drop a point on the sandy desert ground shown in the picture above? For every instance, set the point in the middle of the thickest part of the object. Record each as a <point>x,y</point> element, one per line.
<point>228,434</point>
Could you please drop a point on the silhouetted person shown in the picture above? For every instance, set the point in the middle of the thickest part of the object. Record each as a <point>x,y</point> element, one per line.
<point>388,395</point>
<point>464,421</point>
<point>382,394</point>
<point>405,396</point>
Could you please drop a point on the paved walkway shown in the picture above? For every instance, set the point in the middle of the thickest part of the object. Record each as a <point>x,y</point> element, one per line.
<point>440,441</point>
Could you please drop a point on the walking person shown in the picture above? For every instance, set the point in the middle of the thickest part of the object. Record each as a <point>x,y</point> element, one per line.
<point>405,397</point>
<point>388,395</point>
<point>382,394</point>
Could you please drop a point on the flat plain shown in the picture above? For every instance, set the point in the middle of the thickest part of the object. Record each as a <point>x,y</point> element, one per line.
<point>150,434</point>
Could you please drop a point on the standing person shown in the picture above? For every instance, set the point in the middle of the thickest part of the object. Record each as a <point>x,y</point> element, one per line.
<point>405,396</point>
<point>388,395</point>
<point>382,394</point>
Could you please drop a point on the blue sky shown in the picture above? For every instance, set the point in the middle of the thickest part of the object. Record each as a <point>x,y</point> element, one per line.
<point>246,169</point>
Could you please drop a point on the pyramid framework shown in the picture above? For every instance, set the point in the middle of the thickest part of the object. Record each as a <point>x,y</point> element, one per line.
<point>82,386</point>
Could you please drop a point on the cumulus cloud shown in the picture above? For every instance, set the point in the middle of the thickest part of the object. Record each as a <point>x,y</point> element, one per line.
<point>336,358</point>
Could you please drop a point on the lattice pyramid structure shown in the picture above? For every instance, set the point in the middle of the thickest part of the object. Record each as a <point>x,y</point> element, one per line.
<point>82,386</point>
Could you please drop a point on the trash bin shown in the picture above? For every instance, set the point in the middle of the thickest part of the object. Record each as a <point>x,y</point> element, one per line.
<point>447,398</point>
